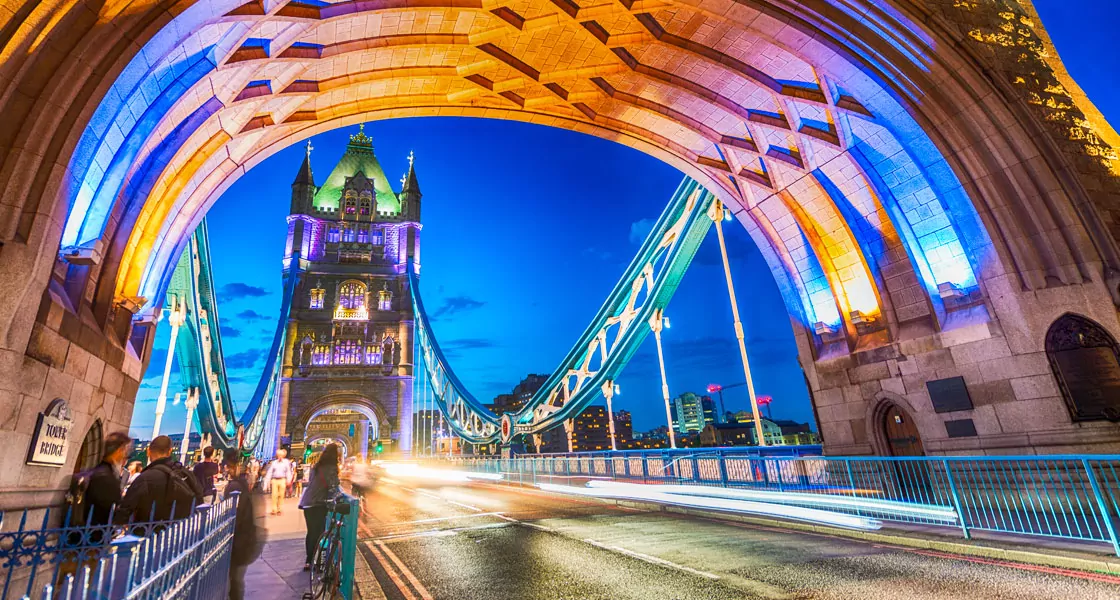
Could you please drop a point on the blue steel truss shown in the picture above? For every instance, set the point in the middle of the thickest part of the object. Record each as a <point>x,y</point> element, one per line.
<point>198,351</point>
<point>603,350</point>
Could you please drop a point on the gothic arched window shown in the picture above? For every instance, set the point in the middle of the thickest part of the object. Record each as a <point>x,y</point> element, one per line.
<point>385,299</point>
<point>351,301</point>
<point>317,295</point>
<point>347,352</point>
<point>373,354</point>
<point>1085,360</point>
<point>90,452</point>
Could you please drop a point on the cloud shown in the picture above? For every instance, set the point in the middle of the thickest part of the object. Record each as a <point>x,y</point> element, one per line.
<point>639,230</point>
<point>238,290</point>
<point>252,315</point>
<point>454,349</point>
<point>230,332</point>
<point>244,360</point>
<point>467,344</point>
<point>457,304</point>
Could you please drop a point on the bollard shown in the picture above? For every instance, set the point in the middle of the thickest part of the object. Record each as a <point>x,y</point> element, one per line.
<point>349,548</point>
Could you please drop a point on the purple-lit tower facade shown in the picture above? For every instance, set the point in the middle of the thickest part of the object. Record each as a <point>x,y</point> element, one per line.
<point>350,327</point>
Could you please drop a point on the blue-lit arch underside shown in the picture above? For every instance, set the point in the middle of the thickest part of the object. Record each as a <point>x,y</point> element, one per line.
<point>198,351</point>
<point>181,92</point>
<point>608,343</point>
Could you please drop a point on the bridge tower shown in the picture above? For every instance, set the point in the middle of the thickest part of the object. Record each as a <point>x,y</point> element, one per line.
<point>349,340</point>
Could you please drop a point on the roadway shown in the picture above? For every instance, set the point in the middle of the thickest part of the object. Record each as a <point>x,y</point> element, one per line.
<point>482,542</point>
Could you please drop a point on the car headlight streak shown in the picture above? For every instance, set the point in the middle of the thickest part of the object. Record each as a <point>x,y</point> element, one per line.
<point>652,493</point>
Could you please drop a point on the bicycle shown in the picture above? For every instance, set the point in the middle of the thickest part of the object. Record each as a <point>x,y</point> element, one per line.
<point>326,567</point>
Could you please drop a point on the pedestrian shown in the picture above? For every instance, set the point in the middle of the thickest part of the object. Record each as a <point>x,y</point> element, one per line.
<point>254,472</point>
<point>164,490</point>
<point>246,545</point>
<point>322,487</point>
<point>205,472</point>
<point>103,489</point>
<point>134,469</point>
<point>279,474</point>
<point>297,484</point>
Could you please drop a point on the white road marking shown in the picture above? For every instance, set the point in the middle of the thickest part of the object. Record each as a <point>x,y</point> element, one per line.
<point>651,559</point>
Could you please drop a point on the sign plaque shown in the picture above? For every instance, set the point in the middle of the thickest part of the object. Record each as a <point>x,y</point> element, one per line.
<point>50,439</point>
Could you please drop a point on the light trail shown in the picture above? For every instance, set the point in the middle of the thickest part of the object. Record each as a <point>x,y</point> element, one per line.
<point>929,512</point>
<point>812,515</point>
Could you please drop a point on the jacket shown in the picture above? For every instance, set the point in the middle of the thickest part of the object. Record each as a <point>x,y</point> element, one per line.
<point>322,487</point>
<point>102,493</point>
<point>150,497</point>
<point>246,546</point>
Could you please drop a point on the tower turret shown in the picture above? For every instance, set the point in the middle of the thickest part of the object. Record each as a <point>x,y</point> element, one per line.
<point>303,188</point>
<point>410,192</point>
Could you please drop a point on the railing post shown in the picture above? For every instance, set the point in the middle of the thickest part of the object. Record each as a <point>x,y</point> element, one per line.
<point>721,461</point>
<point>1105,513</point>
<point>957,500</point>
<point>349,548</point>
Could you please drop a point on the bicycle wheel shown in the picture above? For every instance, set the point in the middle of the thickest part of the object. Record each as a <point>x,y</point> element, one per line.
<point>324,568</point>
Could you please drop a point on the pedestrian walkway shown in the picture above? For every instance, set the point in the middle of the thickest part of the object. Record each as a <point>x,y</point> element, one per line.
<point>278,574</point>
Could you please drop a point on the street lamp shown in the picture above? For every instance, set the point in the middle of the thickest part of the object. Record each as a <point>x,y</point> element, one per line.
<point>717,388</point>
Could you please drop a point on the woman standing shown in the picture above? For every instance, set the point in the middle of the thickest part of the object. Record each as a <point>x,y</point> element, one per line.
<point>323,486</point>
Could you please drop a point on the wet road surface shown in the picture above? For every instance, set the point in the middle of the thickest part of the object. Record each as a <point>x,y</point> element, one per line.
<point>487,542</point>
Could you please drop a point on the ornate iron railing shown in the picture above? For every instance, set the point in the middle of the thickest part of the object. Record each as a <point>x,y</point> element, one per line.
<point>185,558</point>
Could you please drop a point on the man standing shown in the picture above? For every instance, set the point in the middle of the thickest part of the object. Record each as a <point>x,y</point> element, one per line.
<point>164,490</point>
<point>246,545</point>
<point>205,472</point>
<point>104,489</point>
<point>279,474</point>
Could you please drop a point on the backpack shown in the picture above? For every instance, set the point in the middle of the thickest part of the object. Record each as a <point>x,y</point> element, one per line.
<point>75,499</point>
<point>182,489</point>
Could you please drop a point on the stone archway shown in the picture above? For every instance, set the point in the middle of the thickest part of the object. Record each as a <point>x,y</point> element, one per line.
<point>374,414</point>
<point>879,166</point>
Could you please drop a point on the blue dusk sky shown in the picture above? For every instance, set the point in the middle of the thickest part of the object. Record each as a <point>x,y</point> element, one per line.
<point>519,253</point>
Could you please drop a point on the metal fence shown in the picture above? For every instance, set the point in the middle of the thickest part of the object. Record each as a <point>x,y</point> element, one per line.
<point>1068,497</point>
<point>186,558</point>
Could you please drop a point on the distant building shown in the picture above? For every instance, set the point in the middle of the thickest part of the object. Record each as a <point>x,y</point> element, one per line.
<point>771,430</point>
<point>797,434</point>
<point>692,411</point>
<point>591,432</point>
<point>522,392</point>
<point>623,430</point>
<point>727,434</point>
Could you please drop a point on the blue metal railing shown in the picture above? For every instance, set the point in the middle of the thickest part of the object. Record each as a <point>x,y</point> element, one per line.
<point>185,558</point>
<point>1068,497</point>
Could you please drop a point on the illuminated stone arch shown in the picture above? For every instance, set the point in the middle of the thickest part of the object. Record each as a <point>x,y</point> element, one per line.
<point>371,409</point>
<point>905,174</point>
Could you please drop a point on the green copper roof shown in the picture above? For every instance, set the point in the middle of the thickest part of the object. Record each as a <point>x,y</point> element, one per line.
<point>358,158</point>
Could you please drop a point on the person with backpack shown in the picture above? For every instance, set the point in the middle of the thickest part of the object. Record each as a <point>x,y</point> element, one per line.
<point>246,544</point>
<point>164,490</point>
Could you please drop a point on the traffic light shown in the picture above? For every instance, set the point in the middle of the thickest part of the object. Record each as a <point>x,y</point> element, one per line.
<point>379,447</point>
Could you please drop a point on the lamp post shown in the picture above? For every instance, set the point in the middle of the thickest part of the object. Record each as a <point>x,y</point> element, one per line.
<point>176,316</point>
<point>715,387</point>
<point>717,213</point>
